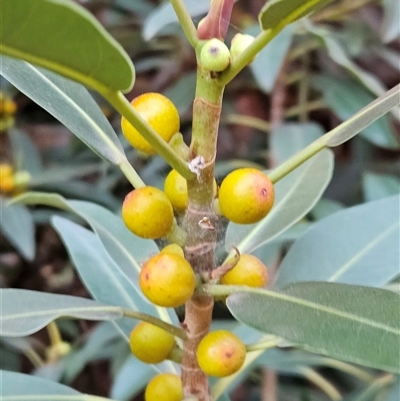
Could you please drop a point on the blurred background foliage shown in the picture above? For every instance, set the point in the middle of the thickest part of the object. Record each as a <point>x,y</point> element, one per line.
<point>315,74</point>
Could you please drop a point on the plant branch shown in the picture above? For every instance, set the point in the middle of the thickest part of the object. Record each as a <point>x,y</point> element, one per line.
<point>350,369</point>
<point>131,174</point>
<point>122,105</point>
<point>186,22</point>
<point>176,331</point>
<point>322,383</point>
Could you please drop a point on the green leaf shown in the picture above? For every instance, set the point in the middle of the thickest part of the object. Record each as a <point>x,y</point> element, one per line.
<point>127,250</point>
<point>164,15</point>
<point>71,42</point>
<point>295,195</point>
<point>346,97</point>
<point>18,386</point>
<point>16,224</point>
<point>353,323</point>
<point>67,101</point>
<point>24,312</point>
<point>378,186</point>
<point>337,54</point>
<point>101,276</point>
<point>268,62</point>
<point>284,12</point>
<point>359,245</point>
<point>390,25</point>
<point>395,391</point>
<point>289,138</point>
<point>97,341</point>
<point>25,155</point>
<point>131,378</point>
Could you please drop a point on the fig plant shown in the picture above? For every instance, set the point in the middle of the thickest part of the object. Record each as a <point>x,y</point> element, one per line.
<point>318,304</point>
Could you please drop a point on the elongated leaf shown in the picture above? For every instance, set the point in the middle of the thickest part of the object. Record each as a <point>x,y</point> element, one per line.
<point>164,15</point>
<point>363,118</point>
<point>131,378</point>
<point>359,245</point>
<point>105,281</point>
<point>96,343</point>
<point>378,186</point>
<point>289,138</point>
<point>395,391</point>
<point>127,250</point>
<point>295,195</point>
<point>16,224</point>
<point>71,42</point>
<point>24,312</point>
<point>267,64</point>
<point>390,25</point>
<point>67,101</point>
<point>25,154</point>
<point>337,54</point>
<point>17,386</point>
<point>276,12</point>
<point>353,323</point>
<point>346,97</point>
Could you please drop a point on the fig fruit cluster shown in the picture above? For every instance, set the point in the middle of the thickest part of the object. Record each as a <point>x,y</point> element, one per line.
<point>167,279</point>
<point>216,56</point>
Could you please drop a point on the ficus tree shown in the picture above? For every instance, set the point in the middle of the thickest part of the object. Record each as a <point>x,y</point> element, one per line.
<point>329,297</point>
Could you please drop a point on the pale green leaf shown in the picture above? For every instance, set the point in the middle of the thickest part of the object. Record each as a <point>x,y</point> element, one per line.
<point>337,54</point>
<point>267,64</point>
<point>17,226</point>
<point>18,386</point>
<point>395,391</point>
<point>164,15</point>
<point>390,24</point>
<point>63,37</point>
<point>25,155</point>
<point>131,378</point>
<point>347,97</point>
<point>352,323</point>
<point>24,312</point>
<point>67,101</point>
<point>359,245</point>
<point>378,186</point>
<point>103,279</point>
<point>277,12</point>
<point>295,195</point>
<point>127,250</point>
<point>289,138</point>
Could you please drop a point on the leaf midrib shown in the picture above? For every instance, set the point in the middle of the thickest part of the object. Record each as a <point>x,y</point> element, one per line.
<point>323,308</point>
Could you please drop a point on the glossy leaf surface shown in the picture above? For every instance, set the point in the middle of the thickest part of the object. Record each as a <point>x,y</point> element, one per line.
<point>358,245</point>
<point>295,195</point>
<point>17,320</point>
<point>71,42</point>
<point>353,323</point>
<point>67,101</point>
<point>276,12</point>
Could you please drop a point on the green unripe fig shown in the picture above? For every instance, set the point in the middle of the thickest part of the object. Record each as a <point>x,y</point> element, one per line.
<point>215,55</point>
<point>239,43</point>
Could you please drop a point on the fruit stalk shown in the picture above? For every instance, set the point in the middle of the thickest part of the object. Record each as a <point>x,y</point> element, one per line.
<point>201,239</point>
